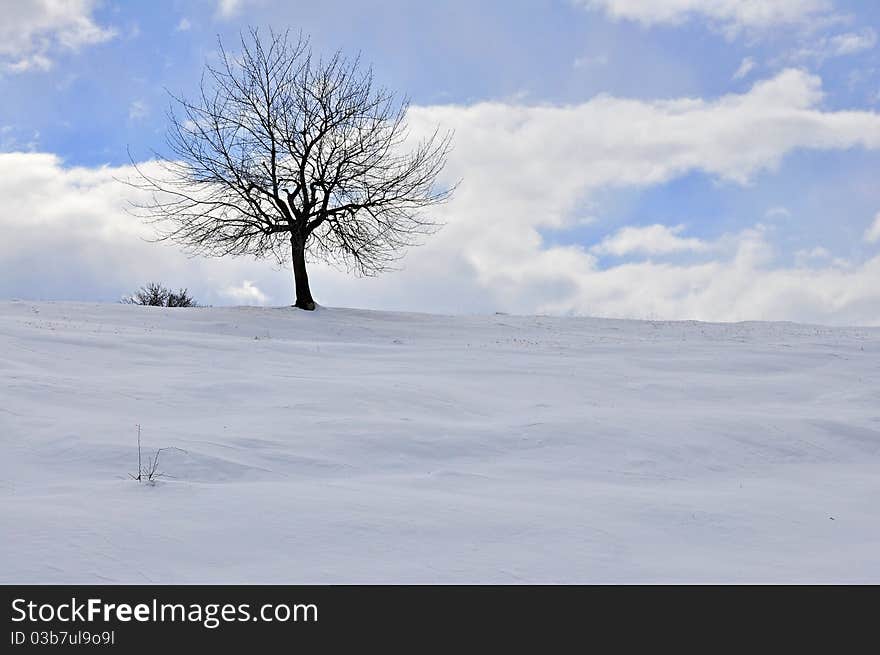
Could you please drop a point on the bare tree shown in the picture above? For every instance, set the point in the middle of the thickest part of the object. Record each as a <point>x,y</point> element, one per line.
<point>286,155</point>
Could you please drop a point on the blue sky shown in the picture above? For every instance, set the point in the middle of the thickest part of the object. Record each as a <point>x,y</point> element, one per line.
<point>701,159</point>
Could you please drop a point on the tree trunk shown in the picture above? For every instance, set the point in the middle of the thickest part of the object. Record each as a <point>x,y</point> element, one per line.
<point>300,276</point>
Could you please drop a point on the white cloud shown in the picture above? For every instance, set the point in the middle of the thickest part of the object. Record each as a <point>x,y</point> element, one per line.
<point>31,30</point>
<point>32,62</point>
<point>137,109</point>
<point>805,257</point>
<point>537,161</point>
<point>183,25</point>
<point>732,16</point>
<point>742,287</point>
<point>777,212</point>
<point>12,138</point>
<point>872,234</point>
<point>852,42</point>
<point>648,240</point>
<point>78,241</point>
<point>746,66</point>
<point>755,17</point>
<point>231,8</point>
<point>246,293</point>
<point>838,45</point>
<point>525,169</point>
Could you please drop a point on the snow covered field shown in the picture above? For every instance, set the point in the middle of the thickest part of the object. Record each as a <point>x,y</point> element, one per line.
<point>356,446</point>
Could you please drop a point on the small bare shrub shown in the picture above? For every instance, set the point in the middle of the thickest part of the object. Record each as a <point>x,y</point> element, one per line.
<point>156,295</point>
<point>149,472</point>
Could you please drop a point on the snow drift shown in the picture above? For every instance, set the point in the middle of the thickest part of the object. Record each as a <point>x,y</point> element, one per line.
<point>355,446</point>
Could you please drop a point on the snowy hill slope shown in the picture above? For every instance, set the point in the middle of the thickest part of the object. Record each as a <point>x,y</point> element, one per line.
<point>356,446</point>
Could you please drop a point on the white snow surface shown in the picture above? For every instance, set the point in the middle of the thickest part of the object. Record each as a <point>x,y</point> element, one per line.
<point>349,446</point>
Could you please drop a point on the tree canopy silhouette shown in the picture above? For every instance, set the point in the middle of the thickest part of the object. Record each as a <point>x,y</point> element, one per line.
<point>297,158</point>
